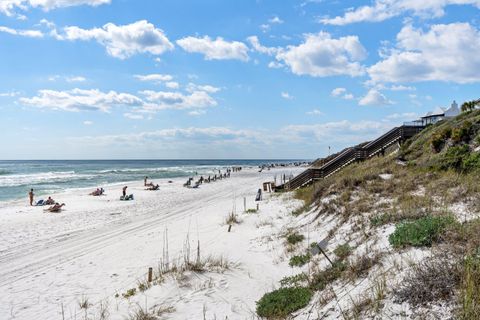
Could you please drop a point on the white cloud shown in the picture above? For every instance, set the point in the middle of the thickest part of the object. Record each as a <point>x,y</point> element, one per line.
<point>286,95</point>
<point>315,112</point>
<point>202,136</point>
<point>8,7</point>
<point>275,65</point>
<point>374,97</point>
<point>155,77</point>
<point>9,94</point>
<point>446,52</point>
<point>385,9</point>
<point>125,40</point>
<point>133,116</point>
<point>320,55</point>
<point>217,49</point>
<point>76,79</point>
<point>255,43</point>
<point>335,132</point>
<point>87,122</point>
<point>172,85</point>
<point>338,92</point>
<point>191,87</point>
<point>23,33</point>
<point>275,20</point>
<point>403,116</point>
<point>341,93</point>
<point>197,112</point>
<point>402,88</point>
<point>81,100</point>
<point>160,100</point>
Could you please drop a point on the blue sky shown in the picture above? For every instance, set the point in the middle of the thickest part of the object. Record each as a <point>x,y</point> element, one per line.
<point>99,79</point>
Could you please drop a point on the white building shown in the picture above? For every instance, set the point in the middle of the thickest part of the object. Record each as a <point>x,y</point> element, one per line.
<point>440,113</point>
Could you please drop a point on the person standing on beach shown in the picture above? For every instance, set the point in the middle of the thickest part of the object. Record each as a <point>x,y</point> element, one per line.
<point>145,181</point>
<point>124,190</point>
<point>30,196</point>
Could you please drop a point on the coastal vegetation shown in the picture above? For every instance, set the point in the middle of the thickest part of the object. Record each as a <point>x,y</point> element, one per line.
<point>381,212</point>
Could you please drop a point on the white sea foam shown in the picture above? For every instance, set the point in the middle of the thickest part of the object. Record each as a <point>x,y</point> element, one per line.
<point>41,177</point>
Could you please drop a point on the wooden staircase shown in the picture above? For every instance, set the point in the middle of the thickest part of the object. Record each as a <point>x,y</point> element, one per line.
<point>350,155</point>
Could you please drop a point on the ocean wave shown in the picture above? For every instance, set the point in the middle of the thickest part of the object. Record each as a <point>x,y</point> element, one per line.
<point>155,170</point>
<point>4,172</point>
<point>42,178</point>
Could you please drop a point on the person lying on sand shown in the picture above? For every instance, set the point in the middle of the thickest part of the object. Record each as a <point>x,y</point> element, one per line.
<point>152,187</point>
<point>49,201</point>
<point>97,192</point>
<point>56,208</point>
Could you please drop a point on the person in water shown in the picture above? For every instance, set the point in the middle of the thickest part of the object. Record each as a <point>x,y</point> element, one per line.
<point>30,196</point>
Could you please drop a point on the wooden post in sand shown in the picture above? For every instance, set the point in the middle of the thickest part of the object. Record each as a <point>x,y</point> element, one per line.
<point>229,227</point>
<point>244,204</point>
<point>150,274</point>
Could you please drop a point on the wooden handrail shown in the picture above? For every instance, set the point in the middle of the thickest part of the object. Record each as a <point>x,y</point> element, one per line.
<point>353,154</point>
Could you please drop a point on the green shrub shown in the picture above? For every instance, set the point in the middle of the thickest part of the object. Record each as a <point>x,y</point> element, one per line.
<point>295,238</point>
<point>421,232</point>
<point>343,251</point>
<point>282,302</point>
<point>320,280</point>
<point>462,133</point>
<point>293,281</point>
<point>300,260</point>
<point>454,157</point>
<point>471,162</point>
<point>251,211</point>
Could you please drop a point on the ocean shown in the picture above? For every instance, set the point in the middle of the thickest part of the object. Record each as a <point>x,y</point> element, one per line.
<point>51,176</point>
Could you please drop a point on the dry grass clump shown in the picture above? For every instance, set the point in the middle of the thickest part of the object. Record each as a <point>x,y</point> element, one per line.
<point>232,218</point>
<point>362,265</point>
<point>144,314</point>
<point>431,280</point>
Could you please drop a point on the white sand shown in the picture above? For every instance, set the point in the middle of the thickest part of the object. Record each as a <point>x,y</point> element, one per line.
<point>100,246</point>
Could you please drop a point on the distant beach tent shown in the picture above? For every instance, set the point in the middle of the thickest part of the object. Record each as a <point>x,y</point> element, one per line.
<point>440,113</point>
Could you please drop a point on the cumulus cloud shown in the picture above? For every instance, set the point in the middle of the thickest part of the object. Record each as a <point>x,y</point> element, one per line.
<point>217,49</point>
<point>338,92</point>
<point>123,41</point>
<point>160,100</point>
<point>374,98</point>
<point>172,85</point>
<point>23,33</point>
<point>80,100</point>
<point>320,55</point>
<point>445,52</point>
<point>87,122</point>
<point>385,9</point>
<point>8,7</point>
<point>155,77</point>
<point>341,93</point>
<point>255,43</point>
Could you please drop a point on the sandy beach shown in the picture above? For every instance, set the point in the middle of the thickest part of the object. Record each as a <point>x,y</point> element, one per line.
<point>99,247</point>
